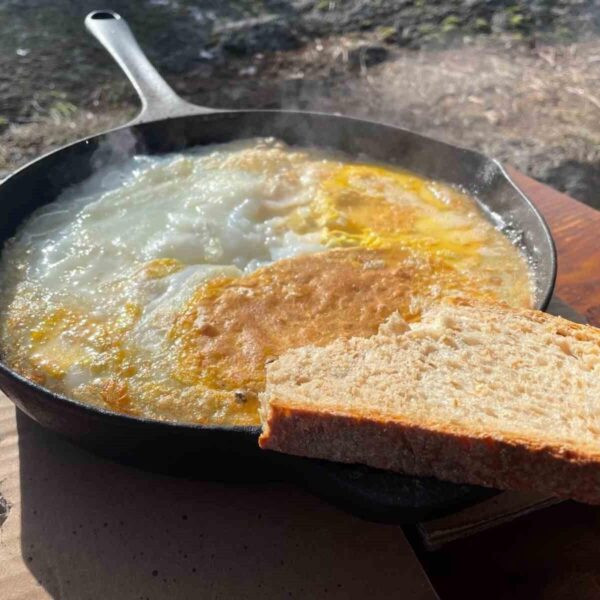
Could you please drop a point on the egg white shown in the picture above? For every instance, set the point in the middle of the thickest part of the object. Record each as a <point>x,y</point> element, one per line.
<point>202,209</point>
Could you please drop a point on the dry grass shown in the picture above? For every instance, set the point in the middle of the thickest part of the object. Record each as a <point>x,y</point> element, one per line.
<point>538,109</point>
<point>532,108</point>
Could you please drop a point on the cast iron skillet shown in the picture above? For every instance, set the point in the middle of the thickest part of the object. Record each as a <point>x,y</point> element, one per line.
<point>167,123</point>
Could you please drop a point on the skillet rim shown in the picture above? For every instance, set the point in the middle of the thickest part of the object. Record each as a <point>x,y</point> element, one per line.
<point>219,113</point>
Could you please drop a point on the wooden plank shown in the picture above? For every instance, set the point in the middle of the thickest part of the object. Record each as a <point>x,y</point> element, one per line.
<point>576,231</point>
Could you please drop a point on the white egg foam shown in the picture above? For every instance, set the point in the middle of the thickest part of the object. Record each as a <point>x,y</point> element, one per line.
<point>218,210</point>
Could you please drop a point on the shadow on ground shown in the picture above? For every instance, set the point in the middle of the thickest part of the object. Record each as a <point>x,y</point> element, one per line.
<point>92,528</point>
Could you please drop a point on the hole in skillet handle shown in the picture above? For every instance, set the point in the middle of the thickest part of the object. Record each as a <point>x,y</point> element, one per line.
<point>103,15</point>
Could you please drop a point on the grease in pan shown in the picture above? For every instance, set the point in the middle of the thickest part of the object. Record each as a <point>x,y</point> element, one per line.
<point>162,288</point>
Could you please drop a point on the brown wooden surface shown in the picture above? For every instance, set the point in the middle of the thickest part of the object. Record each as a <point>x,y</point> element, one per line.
<point>554,553</point>
<point>576,231</point>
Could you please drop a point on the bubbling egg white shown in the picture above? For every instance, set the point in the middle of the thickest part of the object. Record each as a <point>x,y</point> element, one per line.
<point>183,207</point>
<point>95,283</point>
<point>146,234</point>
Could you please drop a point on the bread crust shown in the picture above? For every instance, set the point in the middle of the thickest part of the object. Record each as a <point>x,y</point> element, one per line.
<point>432,444</point>
<point>446,454</point>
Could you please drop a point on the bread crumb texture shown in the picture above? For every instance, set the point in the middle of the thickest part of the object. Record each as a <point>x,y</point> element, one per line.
<point>476,393</point>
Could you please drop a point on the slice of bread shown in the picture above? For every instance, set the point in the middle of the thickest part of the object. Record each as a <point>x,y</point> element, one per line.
<point>480,394</point>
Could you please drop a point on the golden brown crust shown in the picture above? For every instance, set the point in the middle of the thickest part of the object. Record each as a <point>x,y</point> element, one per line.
<point>450,455</point>
<point>232,327</point>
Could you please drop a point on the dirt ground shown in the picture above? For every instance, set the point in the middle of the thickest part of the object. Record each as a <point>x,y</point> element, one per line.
<point>518,81</point>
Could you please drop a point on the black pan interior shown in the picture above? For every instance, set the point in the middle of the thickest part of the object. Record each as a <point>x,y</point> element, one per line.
<point>232,453</point>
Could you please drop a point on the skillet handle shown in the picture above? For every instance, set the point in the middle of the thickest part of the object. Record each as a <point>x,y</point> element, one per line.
<point>159,101</point>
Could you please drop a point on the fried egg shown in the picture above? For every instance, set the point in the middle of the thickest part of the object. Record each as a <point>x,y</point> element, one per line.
<point>162,287</point>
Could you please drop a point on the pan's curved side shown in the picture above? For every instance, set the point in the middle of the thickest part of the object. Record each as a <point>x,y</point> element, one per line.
<point>218,453</point>
<point>527,227</point>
